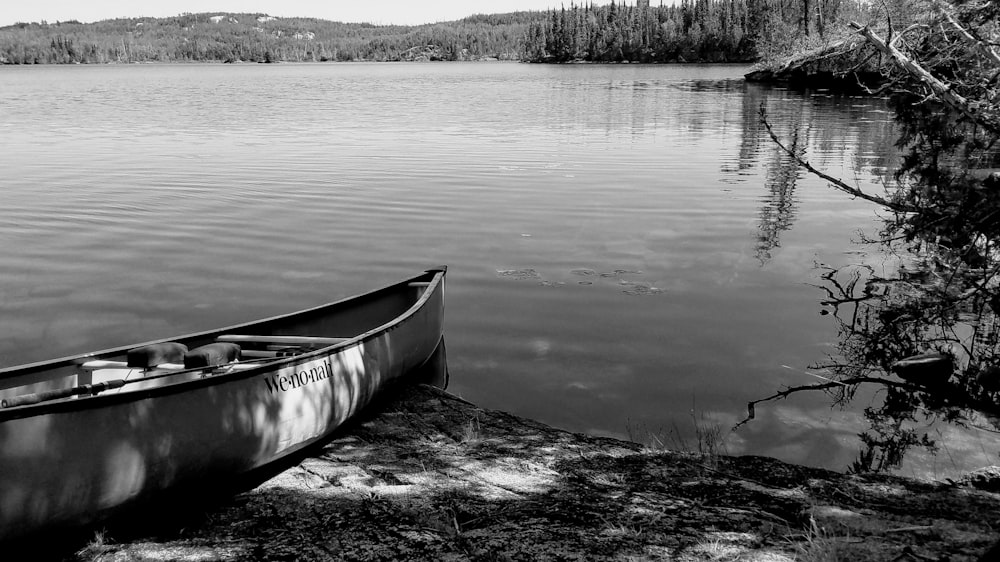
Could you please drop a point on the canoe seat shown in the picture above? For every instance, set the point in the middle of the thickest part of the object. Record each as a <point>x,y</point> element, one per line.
<point>149,356</point>
<point>100,364</point>
<point>211,355</point>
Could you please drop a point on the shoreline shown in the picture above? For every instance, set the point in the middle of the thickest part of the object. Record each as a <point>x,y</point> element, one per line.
<point>375,61</point>
<point>426,475</point>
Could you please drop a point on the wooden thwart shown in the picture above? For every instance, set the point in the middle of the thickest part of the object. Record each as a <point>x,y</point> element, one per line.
<point>290,340</point>
<point>263,354</point>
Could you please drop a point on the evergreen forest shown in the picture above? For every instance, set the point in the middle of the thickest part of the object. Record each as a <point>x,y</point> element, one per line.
<point>687,31</point>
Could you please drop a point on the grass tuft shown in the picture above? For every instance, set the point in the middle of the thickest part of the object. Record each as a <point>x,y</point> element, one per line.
<point>472,431</point>
<point>709,437</point>
<point>820,545</point>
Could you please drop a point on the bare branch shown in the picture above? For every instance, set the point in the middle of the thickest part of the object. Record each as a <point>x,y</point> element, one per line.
<point>823,386</point>
<point>903,33</point>
<point>984,48</point>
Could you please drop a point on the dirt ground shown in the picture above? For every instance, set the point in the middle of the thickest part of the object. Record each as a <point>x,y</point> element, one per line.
<point>427,476</point>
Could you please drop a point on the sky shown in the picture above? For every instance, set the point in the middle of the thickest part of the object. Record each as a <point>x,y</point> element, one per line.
<point>403,12</point>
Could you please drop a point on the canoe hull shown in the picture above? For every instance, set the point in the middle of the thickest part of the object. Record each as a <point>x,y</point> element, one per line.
<point>75,465</point>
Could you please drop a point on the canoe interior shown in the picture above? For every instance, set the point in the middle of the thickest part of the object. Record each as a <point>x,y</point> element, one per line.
<point>346,319</point>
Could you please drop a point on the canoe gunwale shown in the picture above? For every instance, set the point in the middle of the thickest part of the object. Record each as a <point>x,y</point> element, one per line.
<point>102,400</point>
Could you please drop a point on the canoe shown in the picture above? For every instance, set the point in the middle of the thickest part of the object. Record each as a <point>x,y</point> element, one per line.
<point>86,436</point>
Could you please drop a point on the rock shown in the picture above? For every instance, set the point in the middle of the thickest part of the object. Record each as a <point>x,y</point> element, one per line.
<point>987,478</point>
<point>839,65</point>
<point>926,369</point>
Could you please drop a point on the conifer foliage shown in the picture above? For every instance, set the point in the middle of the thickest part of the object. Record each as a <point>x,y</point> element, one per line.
<point>703,30</point>
<point>686,31</point>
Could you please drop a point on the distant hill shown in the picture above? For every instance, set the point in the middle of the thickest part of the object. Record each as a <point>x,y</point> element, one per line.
<point>231,37</point>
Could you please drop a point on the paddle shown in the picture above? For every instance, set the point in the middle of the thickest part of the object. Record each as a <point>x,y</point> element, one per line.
<point>36,397</point>
<point>97,388</point>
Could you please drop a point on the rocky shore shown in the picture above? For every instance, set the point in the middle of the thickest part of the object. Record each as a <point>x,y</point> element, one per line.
<point>841,65</point>
<point>425,475</point>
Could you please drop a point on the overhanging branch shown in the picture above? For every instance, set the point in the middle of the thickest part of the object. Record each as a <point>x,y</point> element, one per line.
<point>836,183</point>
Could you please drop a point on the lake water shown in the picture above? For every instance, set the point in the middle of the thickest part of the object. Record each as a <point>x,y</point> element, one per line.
<point>629,253</point>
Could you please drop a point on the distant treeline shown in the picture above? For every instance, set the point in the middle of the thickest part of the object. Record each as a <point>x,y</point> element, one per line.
<point>690,30</point>
<point>693,31</point>
<point>260,38</point>
<point>702,30</point>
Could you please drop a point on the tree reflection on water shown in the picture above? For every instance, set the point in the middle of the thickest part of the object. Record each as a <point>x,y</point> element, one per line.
<point>924,328</point>
<point>933,302</point>
<point>938,292</point>
<point>865,133</point>
<point>930,296</point>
